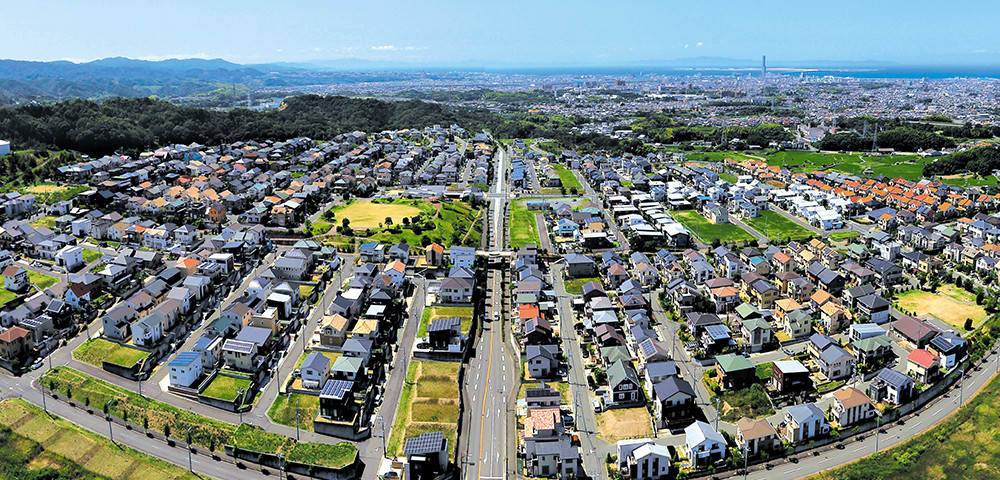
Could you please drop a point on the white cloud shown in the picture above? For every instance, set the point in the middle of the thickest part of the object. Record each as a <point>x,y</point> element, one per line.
<point>698,44</point>
<point>411,48</point>
<point>384,48</point>
<point>686,45</point>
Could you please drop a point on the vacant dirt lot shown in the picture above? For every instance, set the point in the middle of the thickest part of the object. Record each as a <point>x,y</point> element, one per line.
<point>942,306</point>
<point>364,215</point>
<point>623,423</point>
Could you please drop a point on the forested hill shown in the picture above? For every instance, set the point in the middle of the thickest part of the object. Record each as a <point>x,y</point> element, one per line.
<point>135,124</point>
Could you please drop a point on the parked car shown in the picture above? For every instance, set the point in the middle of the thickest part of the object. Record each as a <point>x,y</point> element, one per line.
<point>598,405</point>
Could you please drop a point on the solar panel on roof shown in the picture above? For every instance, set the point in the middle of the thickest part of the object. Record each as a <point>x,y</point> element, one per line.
<point>424,443</point>
<point>444,324</point>
<point>337,389</point>
<point>238,346</point>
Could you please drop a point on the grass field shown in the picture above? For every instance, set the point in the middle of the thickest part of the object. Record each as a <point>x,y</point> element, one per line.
<point>574,286</point>
<point>225,388</point>
<point>68,449</point>
<point>949,305</point>
<point>567,177</point>
<point>849,235</point>
<point>41,280</point>
<point>434,313</point>
<point>624,423</point>
<point>47,222</point>
<point>906,166</point>
<point>968,180</point>
<point>777,228</point>
<point>6,296</point>
<point>751,402</point>
<point>69,382</point>
<point>321,228</point>
<point>523,228</point>
<point>91,255</point>
<point>365,214</point>
<point>95,351</point>
<point>728,177</point>
<point>962,446</point>
<point>283,410</point>
<point>429,403</point>
<point>563,387</point>
<point>707,232</point>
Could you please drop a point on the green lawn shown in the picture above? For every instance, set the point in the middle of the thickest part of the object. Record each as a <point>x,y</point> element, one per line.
<point>968,180</point>
<point>567,177</point>
<point>962,446</point>
<point>777,228</point>
<point>523,228</point>
<point>708,232</point>
<point>91,255</point>
<point>844,235</point>
<point>320,228</point>
<point>563,387</point>
<point>225,387</point>
<point>906,166</point>
<point>39,445</point>
<point>95,351</point>
<point>69,382</point>
<point>6,296</point>
<point>574,286</point>
<point>434,313</point>
<point>283,410</point>
<point>41,280</point>
<point>447,227</point>
<point>729,178</point>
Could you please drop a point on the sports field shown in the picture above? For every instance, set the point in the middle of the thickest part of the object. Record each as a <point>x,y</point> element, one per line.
<point>949,304</point>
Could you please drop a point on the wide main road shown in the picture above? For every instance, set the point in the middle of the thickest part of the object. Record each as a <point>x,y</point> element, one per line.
<point>489,386</point>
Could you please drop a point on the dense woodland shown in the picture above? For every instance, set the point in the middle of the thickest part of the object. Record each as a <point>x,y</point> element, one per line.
<point>983,161</point>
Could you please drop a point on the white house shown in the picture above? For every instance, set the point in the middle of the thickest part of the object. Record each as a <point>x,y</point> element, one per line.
<point>70,257</point>
<point>648,461</point>
<point>462,256</point>
<point>702,444</point>
<point>185,369</point>
<point>315,369</point>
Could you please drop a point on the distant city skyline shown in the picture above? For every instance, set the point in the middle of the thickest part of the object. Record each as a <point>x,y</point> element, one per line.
<point>510,34</point>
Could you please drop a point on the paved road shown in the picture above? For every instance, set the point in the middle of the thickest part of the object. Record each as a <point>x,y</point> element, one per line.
<point>490,379</point>
<point>593,449</point>
<point>761,239</point>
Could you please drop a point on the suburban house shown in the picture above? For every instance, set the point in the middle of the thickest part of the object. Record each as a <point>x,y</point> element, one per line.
<point>315,370</point>
<point>804,422</point>
<point>623,385</point>
<point>922,365</point>
<point>543,360</point>
<point>851,406</point>
<point>185,369</point>
<point>755,436</point>
<point>789,376</point>
<point>891,386</point>
<point>703,445</point>
<point>674,402</point>
<point>734,371</point>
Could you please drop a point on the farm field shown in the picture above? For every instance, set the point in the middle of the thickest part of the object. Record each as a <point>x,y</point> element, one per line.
<point>434,313</point>
<point>429,403</point>
<point>35,442</point>
<point>95,351</point>
<point>708,232</point>
<point>950,305</point>
<point>777,228</point>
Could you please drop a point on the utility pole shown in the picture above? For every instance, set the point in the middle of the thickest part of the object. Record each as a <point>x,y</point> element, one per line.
<point>138,381</point>
<point>281,465</point>
<point>44,407</point>
<point>746,454</point>
<point>239,394</point>
<point>297,419</point>
<point>111,433</point>
<point>381,422</point>
<point>188,438</point>
<point>878,418</point>
<point>716,414</point>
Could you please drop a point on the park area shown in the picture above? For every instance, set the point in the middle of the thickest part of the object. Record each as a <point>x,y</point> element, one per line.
<point>447,223</point>
<point>205,432</point>
<point>43,446</point>
<point>949,304</point>
<point>777,228</point>
<point>624,423</point>
<point>428,403</point>
<point>434,313</point>
<point>98,350</point>
<point>909,167</point>
<point>708,232</point>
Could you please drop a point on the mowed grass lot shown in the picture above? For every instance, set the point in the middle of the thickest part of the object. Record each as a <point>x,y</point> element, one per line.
<point>708,232</point>
<point>429,403</point>
<point>434,313</point>
<point>567,177</point>
<point>365,214</point>
<point>6,296</point>
<point>41,280</point>
<point>98,350</point>
<point>907,166</point>
<point>69,382</point>
<point>68,449</point>
<point>574,286</point>
<point>523,228</point>
<point>91,255</point>
<point>285,407</point>
<point>777,228</point>
<point>968,180</point>
<point>949,304</point>
<point>624,423</point>
<point>962,446</point>
<point>225,387</point>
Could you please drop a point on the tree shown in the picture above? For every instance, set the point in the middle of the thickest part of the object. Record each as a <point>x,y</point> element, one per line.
<point>346,223</point>
<point>145,422</point>
<point>211,444</point>
<point>388,220</point>
<point>166,430</point>
<point>968,324</point>
<point>425,241</point>
<point>406,221</point>
<point>69,392</point>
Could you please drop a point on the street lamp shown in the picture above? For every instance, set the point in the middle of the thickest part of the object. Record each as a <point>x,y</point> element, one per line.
<point>297,415</point>
<point>239,408</point>
<point>878,418</point>
<point>107,416</point>
<point>281,465</point>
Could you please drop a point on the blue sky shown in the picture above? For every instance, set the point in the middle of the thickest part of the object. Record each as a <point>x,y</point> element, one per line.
<point>504,33</point>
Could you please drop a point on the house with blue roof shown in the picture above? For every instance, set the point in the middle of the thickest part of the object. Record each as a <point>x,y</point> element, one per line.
<point>185,369</point>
